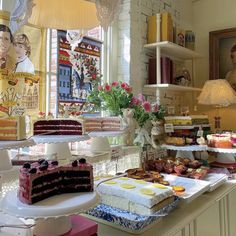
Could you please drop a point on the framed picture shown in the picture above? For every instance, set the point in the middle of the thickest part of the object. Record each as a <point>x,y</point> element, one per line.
<point>222,55</point>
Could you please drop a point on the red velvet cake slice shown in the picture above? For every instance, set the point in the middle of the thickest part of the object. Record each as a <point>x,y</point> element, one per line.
<point>58,127</point>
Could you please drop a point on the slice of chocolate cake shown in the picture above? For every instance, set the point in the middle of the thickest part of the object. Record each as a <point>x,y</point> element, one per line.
<point>43,179</point>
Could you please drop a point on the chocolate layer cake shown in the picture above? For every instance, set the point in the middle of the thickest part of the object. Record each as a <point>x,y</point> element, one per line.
<point>58,127</point>
<point>44,179</point>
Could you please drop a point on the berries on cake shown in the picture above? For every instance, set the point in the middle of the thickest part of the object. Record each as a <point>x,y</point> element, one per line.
<point>43,179</point>
<point>58,127</point>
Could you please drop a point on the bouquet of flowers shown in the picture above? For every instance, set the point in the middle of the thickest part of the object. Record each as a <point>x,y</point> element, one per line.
<point>111,97</point>
<point>145,111</point>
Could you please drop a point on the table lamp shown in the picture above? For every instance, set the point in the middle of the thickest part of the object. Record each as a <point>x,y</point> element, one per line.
<point>218,93</point>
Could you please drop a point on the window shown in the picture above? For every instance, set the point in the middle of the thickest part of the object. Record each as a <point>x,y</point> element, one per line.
<point>52,58</point>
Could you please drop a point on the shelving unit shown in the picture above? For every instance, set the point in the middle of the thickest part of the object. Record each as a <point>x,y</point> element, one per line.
<point>173,50</point>
<point>172,87</point>
<point>176,53</point>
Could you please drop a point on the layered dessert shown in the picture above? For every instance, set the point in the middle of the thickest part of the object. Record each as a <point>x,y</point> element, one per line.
<point>92,124</point>
<point>43,179</point>
<point>13,128</point>
<point>58,127</point>
<point>136,196</point>
<point>187,120</point>
<point>102,124</point>
<point>219,140</point>
<point>111,123</point>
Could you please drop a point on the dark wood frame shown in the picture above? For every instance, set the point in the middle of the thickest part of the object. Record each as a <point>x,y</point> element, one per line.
<point>214,38</point>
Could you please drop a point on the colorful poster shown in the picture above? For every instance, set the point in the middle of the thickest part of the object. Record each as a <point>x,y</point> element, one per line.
<point>77,68</point>
<point>21,68</point>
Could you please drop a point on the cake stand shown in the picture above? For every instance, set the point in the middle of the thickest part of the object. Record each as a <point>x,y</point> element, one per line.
<point>52,214</point>
<point>5,155</point>
<point>185,151</point>
<point>100,141</point>
<point>224,155</point>
<point>5,231</point>
<point>59,144</point>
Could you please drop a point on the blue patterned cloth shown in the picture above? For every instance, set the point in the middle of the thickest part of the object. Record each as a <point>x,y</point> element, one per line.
<point>127,219</point>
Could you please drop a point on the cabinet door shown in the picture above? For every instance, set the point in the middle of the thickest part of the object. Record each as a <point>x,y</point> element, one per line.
<point>209,222</point>
<point>231,209</point>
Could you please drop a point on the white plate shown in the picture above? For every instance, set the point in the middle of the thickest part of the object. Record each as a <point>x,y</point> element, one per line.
<point>59,205</point>
<point>193,187</point>
<point>215,180</point>
<point>59,138</point>
<point>6,219</point>
<point>16,144</point>
<point>106,133</point>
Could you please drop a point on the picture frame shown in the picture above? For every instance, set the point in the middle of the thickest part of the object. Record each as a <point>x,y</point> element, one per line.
<point>220,44</point>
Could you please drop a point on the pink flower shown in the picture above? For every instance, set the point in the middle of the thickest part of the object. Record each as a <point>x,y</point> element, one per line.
<point>134,101</point>
<point>114,84</point>
<point>147,106</point>
<point>108,87</point>
<point>128,89</point>
<point>123,85</point>
<point>141,98</point>
<point>100,88</point>
<point>155,108</point>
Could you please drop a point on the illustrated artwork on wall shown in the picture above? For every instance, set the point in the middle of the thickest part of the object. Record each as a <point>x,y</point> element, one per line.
<point>77,68</point>
<point>222,52</point>
<point>20,69</point>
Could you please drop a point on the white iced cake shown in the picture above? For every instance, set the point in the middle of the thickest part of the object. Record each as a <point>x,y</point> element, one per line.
<point>136,196</point>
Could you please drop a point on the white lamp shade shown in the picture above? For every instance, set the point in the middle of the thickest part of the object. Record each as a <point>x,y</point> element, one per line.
<point>61,14</point>
<point>217,92</point>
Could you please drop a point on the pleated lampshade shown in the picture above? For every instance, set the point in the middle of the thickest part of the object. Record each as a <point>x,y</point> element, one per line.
<point>64,14</point>
<point>217,92</point>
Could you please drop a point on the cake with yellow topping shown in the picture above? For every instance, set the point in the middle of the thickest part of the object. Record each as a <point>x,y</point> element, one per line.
<point>135,195</point>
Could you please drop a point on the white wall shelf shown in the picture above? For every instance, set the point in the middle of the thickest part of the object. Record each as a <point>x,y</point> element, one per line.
<point>173,50</point>
<point>172,87</point>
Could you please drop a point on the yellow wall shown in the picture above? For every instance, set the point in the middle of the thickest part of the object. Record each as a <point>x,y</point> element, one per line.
<point>210,15</point>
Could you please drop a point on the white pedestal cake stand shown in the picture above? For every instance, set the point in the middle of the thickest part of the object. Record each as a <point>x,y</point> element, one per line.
<point>224,155</point>
<point>52,214</point>
<point>100,141</point>
<point>6,166</point>
<point>59,144</point>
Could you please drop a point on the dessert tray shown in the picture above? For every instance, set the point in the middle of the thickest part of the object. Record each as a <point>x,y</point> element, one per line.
<point>193,187</point>
<point>10,231</point>
<point>51,214</point>
<point>215,180</point>
<point>127,221</point>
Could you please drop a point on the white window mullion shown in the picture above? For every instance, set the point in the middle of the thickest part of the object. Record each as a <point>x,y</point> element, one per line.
<point>48,69</point>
